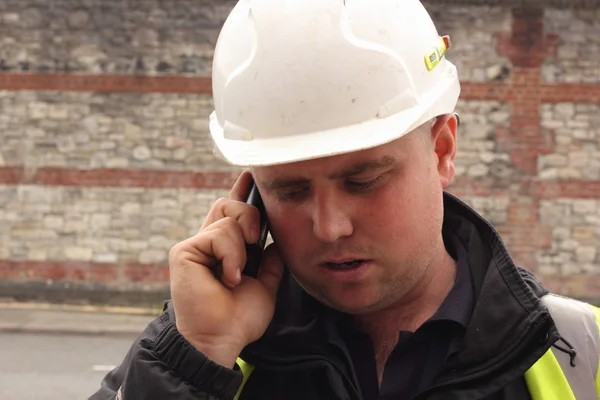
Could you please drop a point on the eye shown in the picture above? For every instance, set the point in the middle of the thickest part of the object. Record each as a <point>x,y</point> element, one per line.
<point>292,195</point>
<point>364,185</point>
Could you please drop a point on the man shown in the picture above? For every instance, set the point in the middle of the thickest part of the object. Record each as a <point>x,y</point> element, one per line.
<point>378,283</point>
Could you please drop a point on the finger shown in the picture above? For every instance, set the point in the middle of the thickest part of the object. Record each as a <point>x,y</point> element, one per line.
<point>241,188</point>
<point>247,216</point>
<point>228,246</point>
<point>271,269</point>
<point>221,247</point>
<point>189,267</point>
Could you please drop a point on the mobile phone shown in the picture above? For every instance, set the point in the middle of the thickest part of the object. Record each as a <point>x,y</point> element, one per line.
<point>254,250</point>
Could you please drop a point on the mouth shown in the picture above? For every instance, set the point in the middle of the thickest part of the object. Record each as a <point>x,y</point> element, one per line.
<point>344,265</point>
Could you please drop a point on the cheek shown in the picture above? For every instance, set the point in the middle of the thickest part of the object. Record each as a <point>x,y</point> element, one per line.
<point>388,220</point>
<point>288,229</point>
<point>407,212</point>
<point>425,211</point>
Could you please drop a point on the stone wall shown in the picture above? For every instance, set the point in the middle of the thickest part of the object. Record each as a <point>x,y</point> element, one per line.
<point>110,36</point>
<point>575,130</point>
<point>575,226</point>
<point>473,31</point>
<point>494,209</point>
<point>479,155</point>
<point>104,165</point>
<point>578,49</point>
<point>101,225</point>
<point>115,130</point>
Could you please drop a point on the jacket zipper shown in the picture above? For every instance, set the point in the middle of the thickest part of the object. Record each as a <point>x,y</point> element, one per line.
<point>489,370</point>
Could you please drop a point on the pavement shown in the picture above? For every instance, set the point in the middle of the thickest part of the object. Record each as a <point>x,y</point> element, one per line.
<point>62,352</point>
<point>36,366</point>
<point>74,320</point>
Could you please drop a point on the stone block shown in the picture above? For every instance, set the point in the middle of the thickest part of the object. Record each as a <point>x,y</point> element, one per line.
<point>75,253</point>
<point>37,254</point>
<point>585,234</point>
<point>585,254</point>
<point>141,153</point>
<point>106,258</point>
<point>152,256</point>
<point>55,222</point>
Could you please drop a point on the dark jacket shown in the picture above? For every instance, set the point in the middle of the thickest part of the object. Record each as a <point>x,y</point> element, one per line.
<point>302,356</point>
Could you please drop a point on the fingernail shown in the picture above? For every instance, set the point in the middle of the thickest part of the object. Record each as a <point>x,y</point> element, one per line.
<point>238,275</point>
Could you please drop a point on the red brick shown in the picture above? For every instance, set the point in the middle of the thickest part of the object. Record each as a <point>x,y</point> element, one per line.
<point>105,83</point>
<point>10,270</point>
<point>564,189</point>
<point>522,153</point>
<point>146,273</point>
<point>104,273</point>
<point>33,270</point>
<point>484,91</point>
<point>160,84</point>
<point>523,210</point>
<point>11,175</point>
<point>525,160</point>
<point>82,271</point>
<point>464,186</point>
<point>576,93</point>
<point>52,176</point>
<point>581,285</point>
<point>526,45</point>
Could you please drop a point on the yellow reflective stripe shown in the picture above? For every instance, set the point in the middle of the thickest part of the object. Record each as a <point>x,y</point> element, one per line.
<point>246,371</point>
<point>546,381</point>
<point>597,313</point>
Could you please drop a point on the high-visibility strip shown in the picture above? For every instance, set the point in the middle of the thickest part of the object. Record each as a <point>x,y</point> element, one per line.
<point>597,313</point>
<point>577,325</point>
<point>546,381</point>
<point>246,371</point>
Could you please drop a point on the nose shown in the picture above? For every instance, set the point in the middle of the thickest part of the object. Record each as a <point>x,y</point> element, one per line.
<point>331,221</point>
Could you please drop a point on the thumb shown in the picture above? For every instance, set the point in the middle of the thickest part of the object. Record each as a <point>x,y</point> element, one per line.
<point>271,269</point>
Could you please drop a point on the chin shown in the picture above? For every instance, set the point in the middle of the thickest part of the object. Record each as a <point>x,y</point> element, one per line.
<point>354,304</point>
<point>356,309</point>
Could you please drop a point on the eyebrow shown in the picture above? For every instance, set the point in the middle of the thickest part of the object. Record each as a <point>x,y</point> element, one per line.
<point>356,169</point>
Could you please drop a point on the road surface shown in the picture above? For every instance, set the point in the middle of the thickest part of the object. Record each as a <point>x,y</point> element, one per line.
<point>56,367</point>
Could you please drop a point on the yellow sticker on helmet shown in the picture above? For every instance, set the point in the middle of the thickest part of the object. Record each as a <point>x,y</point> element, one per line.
<point>434,57</point>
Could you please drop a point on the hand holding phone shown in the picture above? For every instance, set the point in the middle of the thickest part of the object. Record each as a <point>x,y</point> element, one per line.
<point>219,314</point>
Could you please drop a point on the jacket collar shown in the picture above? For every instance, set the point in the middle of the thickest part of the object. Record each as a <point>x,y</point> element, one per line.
<point>509,328</point>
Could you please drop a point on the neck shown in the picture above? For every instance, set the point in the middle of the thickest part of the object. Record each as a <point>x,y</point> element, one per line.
<point>410,312</point>
<point>420,303</point>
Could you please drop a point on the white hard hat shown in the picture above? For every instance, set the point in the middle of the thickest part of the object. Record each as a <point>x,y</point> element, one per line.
<point>300,79</point>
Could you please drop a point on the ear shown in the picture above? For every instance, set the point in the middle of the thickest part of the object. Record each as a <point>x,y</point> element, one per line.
<point>444,142</point>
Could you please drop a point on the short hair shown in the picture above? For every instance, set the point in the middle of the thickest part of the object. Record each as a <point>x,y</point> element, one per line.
<point>424,130</point>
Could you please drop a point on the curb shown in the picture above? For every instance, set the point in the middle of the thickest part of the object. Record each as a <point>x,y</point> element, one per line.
<point>83,293</point>
<point>50,319</point>
<point>45,331</point>
<point>80,308</point>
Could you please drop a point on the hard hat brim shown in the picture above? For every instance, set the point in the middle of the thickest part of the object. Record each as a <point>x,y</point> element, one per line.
<point>313,145</point>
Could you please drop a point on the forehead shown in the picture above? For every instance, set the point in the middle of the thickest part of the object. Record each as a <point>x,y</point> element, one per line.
<point>333,166</point>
